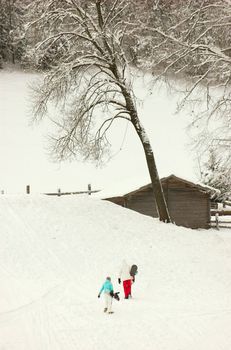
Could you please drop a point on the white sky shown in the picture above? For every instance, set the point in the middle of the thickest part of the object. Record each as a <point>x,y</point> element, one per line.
<point>24,158</point>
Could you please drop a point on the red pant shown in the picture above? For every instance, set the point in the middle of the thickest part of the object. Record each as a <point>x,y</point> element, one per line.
<point>127,284</point>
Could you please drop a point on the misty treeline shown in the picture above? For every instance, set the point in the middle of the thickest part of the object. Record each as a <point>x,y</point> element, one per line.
<point>185,43</point>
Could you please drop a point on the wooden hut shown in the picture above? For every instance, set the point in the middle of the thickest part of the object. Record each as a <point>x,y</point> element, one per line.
<point>188,203</point>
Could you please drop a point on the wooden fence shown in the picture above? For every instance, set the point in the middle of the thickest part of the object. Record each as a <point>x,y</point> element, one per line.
<point>59,193</point>
<point>220,219</point>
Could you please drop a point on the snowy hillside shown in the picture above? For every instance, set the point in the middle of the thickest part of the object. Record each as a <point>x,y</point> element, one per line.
<point>56,252</point>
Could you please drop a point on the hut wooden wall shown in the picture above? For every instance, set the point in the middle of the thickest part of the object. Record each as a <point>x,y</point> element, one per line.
<point>142,202</point>
<point>188,206</point>
<point>117,200</point>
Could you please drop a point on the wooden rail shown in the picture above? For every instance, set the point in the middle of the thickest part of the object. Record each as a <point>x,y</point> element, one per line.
<point>219,219</point>
<point>220,212</point>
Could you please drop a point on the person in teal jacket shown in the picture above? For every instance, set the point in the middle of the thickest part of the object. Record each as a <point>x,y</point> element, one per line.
<point>107,289</point>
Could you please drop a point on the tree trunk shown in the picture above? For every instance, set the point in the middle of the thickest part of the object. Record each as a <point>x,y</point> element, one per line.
<point>158,193</point>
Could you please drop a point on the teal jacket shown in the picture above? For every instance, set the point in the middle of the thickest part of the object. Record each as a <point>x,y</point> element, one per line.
<point>107,287</point>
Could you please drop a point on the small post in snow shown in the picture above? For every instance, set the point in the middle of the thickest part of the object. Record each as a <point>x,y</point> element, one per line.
<point>59,192</point>
<point>89,189</point>
<point>28,189</point>
<point>217,221</point>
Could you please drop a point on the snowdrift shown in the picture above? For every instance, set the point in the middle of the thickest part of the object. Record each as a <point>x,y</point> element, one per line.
<point>55,253</point>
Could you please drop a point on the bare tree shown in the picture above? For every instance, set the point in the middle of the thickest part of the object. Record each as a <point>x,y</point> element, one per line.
<point>91,81</point>
<point>189,41</point>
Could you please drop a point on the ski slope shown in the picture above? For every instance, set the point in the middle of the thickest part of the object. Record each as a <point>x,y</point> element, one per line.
<point>56,252</point>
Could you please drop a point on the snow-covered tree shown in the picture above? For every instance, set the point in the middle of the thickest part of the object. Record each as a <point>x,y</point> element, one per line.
<point>188,42</point>
<point>217,173</point>
<point>90,80</point>
<point>12,40</point>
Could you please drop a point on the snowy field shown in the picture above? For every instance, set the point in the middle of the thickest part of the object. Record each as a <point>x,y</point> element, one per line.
<point>56,252</point>
<point>25,150</point>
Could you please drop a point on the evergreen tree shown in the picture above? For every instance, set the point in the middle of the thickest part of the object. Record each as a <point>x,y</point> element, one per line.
<point>12,39</point>
<point>217,174</point>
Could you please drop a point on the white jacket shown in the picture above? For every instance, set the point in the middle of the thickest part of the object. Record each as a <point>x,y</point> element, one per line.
<point>124,273</point>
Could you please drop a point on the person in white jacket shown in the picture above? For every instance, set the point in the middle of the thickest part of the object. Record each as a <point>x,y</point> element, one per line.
<point>125,277</point>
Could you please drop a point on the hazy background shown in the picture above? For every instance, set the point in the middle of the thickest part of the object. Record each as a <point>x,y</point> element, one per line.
<point>24,156</point>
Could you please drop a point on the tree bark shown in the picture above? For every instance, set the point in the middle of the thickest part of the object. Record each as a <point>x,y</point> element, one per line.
<point>158,193</point>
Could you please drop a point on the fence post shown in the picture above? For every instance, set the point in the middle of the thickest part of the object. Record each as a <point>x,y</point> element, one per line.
<point>28,189</point>
<point>217,221</point>
<point>89,189</point>
<point>59,192</point>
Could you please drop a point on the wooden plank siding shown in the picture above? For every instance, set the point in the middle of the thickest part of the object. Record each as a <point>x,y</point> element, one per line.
<point>188,203</point>
<point>142,203</point>
<point>186,207</point>
<point>189,208</point>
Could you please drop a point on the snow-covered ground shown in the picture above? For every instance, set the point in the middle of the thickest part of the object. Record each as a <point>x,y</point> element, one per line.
<point>56,252</point>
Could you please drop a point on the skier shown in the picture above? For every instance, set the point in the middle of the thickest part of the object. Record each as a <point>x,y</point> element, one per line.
<point>127,279</point>
<point>107,288</point>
